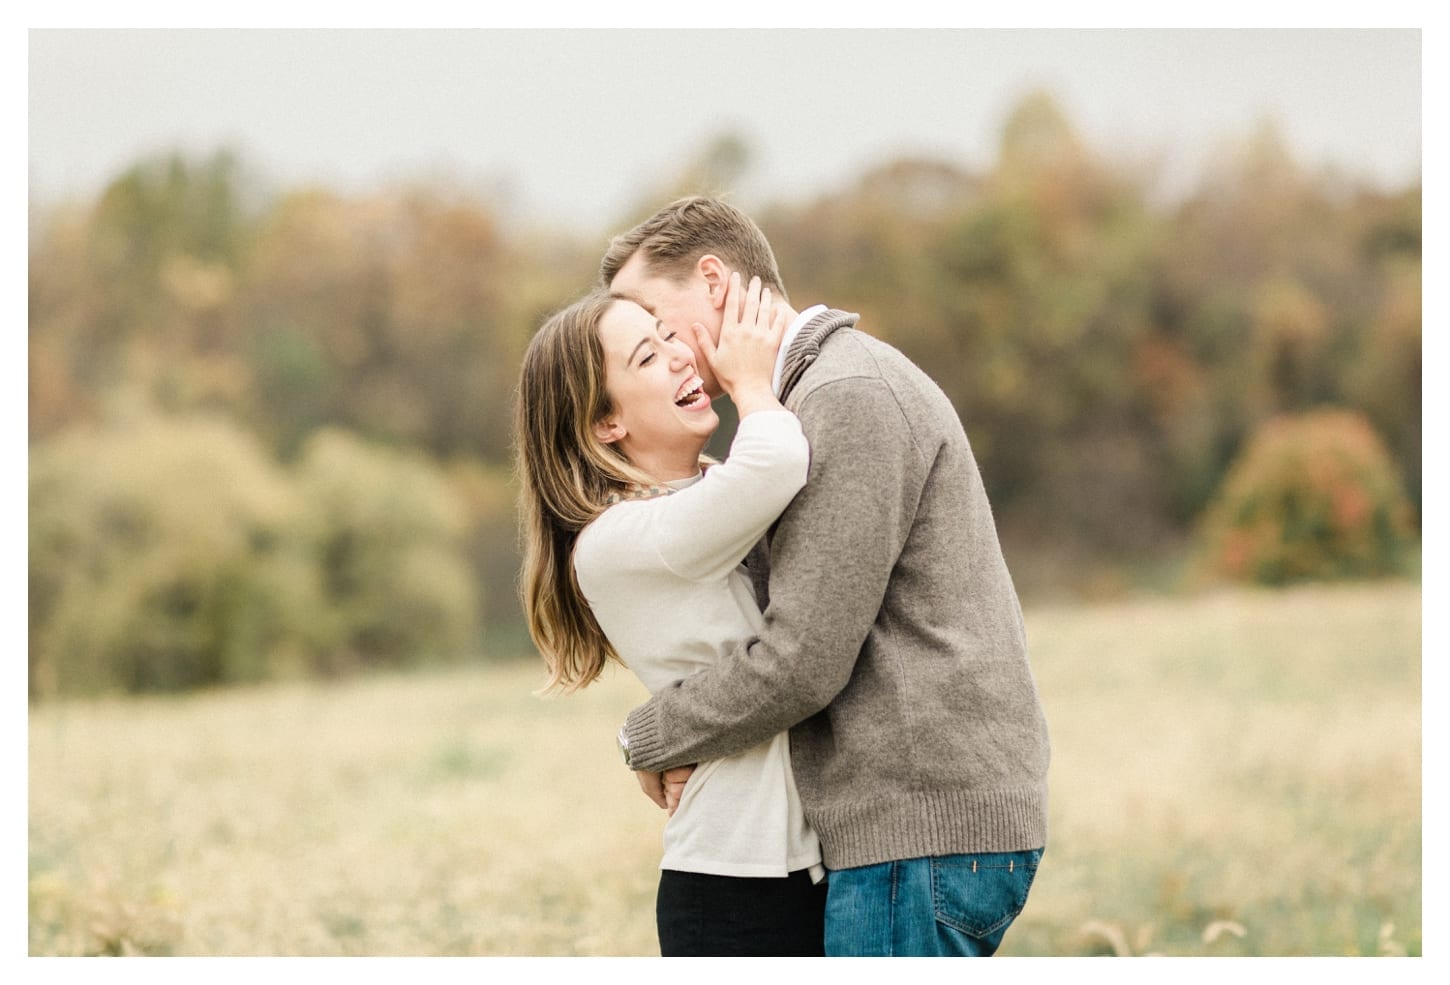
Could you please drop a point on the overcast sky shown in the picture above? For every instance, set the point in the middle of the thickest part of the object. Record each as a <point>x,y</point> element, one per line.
<point>575,125</point>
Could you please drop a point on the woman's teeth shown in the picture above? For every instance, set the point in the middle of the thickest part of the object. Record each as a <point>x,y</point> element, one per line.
<point>690,392</point>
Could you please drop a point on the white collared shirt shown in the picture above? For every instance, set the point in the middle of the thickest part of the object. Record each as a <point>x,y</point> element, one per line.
<point>787,339</point>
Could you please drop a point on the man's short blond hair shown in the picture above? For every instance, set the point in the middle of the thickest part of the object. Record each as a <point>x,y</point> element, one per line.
<point>675,237</point>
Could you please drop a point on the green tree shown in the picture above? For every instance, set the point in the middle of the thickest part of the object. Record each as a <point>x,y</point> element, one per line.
<point>384,531</point>
<point>157,560</point>
<point>141,289</point>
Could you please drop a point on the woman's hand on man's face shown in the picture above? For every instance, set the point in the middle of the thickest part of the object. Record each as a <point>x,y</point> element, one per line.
<point>744,359</point>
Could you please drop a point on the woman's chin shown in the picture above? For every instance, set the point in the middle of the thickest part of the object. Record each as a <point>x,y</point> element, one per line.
<point>700,418</point>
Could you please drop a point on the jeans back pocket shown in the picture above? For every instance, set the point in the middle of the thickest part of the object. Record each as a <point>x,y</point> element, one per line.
<point>981,894</point>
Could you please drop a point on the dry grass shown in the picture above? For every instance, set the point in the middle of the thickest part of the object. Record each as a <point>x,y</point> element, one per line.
<point>1233,774</point>
<point>439,814</point>
<point>1250,758</point>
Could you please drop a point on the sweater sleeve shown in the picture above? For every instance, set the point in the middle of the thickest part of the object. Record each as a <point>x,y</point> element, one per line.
<point>831,557</point>
<point>703,531</point>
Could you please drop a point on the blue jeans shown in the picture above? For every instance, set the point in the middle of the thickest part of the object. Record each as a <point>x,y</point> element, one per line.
<point>945,905</point>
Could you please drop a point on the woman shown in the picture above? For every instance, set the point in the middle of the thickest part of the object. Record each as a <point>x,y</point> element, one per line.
<point>633,550</point>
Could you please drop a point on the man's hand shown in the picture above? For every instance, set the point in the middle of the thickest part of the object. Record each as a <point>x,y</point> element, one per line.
<point>666,788</point>
<point>674,784</point>
<point>653,786</point>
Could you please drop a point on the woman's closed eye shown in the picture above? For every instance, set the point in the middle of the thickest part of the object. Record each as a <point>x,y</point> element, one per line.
<point>666,337</point>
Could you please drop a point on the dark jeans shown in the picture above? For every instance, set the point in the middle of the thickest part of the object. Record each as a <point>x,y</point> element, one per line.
<point>730,916</point>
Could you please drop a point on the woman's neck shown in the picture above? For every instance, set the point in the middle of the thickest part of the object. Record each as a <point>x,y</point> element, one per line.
<point>663,466</point>
<point>670,473</point>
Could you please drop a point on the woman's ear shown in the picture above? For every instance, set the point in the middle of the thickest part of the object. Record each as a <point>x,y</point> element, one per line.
<point>716,276</point>
<point>609,430</point>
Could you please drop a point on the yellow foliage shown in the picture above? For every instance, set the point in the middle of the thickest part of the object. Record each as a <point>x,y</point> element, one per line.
<point>169,553</point>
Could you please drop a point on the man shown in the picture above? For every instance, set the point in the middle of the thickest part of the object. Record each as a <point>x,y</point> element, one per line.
<point>893,645</point>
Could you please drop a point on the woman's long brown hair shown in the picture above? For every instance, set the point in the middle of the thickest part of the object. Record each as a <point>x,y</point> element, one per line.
<point>566,476</point>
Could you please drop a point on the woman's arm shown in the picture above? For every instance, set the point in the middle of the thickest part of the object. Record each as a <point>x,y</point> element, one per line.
<point>705,530</point>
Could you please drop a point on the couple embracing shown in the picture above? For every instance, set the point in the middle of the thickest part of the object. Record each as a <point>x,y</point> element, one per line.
<point>843,724</point>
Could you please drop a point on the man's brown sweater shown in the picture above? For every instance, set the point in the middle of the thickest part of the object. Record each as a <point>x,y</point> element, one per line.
<point>893,646</point>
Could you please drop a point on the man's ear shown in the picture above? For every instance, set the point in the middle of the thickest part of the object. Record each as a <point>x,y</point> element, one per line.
<point>609,430</point>
<point>717,278</point>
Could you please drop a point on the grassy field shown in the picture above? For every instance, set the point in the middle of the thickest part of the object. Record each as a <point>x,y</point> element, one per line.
<point>1232,774</point>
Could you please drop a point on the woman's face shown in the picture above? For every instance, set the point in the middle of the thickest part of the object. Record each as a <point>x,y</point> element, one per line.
<point>662,417</point>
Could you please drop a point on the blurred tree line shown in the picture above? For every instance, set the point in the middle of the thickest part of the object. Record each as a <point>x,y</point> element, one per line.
<point>269,432</point>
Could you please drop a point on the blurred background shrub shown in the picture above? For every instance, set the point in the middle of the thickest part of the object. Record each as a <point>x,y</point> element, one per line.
<point>1313,496</point>
<point>383,531</point>
<point>168,554</point>
<point>157,558</point>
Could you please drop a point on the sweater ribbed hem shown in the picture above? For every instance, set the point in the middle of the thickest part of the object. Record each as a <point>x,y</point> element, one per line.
<point>915,825</point>
<point>940,822</point>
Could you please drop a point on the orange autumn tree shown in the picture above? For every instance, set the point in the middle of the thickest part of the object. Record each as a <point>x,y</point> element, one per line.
<point>1313,496</point>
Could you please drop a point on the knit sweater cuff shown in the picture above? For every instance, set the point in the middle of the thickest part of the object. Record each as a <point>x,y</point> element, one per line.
<point>646,743</point>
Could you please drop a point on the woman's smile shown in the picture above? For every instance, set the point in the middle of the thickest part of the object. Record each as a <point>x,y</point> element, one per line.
<point>691,395</point>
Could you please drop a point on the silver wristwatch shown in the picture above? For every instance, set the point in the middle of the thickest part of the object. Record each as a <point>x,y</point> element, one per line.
<point>623,741</point>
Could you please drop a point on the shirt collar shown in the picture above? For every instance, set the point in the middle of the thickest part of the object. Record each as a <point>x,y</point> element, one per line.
<point>787,339</point>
